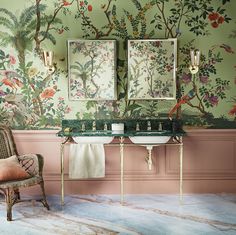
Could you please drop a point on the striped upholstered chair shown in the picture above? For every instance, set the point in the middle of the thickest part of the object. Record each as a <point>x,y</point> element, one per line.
<point>20,170</point>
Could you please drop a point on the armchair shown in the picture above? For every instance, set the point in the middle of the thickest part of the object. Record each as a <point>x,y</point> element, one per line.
<point>31,164</point>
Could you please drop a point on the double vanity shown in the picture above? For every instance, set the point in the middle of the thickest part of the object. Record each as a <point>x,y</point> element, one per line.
<point>148,133</point>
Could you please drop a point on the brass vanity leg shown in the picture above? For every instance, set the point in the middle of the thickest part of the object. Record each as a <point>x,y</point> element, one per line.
<point>121,170</point>
<point>181,171</point>
<point>62,174</point>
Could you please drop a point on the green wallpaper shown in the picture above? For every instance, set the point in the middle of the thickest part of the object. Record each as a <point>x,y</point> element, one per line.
<point>30,98</point>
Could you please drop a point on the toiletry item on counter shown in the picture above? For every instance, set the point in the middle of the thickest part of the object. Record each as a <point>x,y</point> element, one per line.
<point>117,128</point>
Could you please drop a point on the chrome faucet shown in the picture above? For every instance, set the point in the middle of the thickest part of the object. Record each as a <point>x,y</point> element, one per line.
<point>160,128</point>
<point>94,126</point>
<point>137,127</point>
<point>149,128</point>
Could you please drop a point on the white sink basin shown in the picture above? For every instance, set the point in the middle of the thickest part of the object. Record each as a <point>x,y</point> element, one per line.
<point>93,139</point>
<point>149,139</point>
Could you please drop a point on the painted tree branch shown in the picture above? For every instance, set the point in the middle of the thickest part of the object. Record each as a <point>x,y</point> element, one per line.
<point>99,33</point>
<point>161,9</point>
<point>37,30</point>
<point>49,23</point>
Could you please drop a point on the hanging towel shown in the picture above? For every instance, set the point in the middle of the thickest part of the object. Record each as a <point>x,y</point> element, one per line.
<point>86,161</point>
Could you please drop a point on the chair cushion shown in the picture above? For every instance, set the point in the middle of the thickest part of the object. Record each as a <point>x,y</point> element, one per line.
<point>30,163</point>
<point>10,169</point>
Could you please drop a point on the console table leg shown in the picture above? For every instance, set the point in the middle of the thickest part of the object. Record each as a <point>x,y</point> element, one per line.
<point>62,174</point>
<point>181,172</point>
<point>121,170</point>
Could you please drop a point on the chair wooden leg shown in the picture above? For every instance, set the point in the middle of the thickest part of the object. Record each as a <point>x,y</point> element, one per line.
<point>44,200</point>
<point>17,194</point>
<point>9,202</point>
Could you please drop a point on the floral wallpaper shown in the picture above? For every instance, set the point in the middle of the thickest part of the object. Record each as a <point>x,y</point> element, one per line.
<point>33,98</point>
<point>151,69</point>
<point>91,69</point>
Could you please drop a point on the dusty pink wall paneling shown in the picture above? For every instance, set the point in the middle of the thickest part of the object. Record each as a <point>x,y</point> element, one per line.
<point>209,165</point>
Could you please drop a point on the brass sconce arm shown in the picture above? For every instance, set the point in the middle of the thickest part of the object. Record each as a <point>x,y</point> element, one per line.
<point>48,61</point>
<point>195,59</point>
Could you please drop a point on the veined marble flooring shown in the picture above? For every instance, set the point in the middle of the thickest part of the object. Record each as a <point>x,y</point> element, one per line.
<point>200,214</point>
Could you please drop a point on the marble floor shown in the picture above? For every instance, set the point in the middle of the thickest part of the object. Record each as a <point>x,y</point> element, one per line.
<point>200,214</point>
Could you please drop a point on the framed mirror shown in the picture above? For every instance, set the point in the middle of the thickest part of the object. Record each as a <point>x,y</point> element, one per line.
<point>152,69</point>
<point>92,69</point>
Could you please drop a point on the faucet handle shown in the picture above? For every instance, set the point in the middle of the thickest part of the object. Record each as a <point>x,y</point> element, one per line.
<point>137,127</point>
<point>160,128</point>
<point>149,128</point>
<point>83,127</point>
<point>94,126</point>
<point>105,127</point>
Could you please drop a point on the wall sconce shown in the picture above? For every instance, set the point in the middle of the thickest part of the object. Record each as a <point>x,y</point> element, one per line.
<point>195,59</point>
<point>48,60</point>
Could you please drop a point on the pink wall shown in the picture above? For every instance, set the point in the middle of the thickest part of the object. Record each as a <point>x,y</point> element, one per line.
<point>209,165</point>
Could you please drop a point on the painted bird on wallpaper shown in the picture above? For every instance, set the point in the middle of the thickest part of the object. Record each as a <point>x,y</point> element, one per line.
<point>227,48</point>
<point>190,95</point>
<point>11,79</point>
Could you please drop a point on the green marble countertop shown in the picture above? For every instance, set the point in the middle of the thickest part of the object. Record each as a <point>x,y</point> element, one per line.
<point>73,128</point>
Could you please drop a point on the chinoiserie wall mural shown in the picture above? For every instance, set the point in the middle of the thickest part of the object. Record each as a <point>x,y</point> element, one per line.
<point>91,68</point>
<point>152,62</point>
<point>32,97</point>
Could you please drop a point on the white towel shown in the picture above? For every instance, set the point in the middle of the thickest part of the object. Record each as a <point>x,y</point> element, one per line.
<point>86,161</point>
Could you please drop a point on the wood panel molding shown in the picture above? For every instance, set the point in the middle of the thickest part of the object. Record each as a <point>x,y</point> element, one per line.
<point>209,156</point>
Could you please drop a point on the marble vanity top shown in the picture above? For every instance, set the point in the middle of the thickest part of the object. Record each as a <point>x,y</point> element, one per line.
<point>74,128</point>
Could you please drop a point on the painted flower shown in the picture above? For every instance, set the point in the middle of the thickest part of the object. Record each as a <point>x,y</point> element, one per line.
<point>2,93</point>
<point>32,72</point>
<point>12,59</point>
<point>90,8</point>
<point>59,105</point>
<point>68,109</point>
<point>7,82</point>
<point>157,44</point>
<point>169,68</point>
<point>61,98</point>
<point>147,6</point>
<point>213,100</point>
<point>214,24</point>
<point>233,111</point>
<point>221,20</point>
<point>152,58</point>
<point>81,3</point>
<point>213,16</point>
<point>60,31</point>
<point>204,79</point>
<point>130,17</point>
<point>48,93</point>
<point>79,93</point>
<point>10,106</point>
<point>216,19</point>
<point>186,78</point>
<point>65,3</point>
